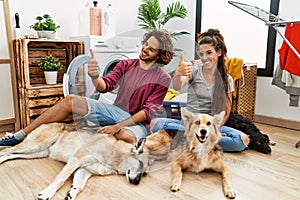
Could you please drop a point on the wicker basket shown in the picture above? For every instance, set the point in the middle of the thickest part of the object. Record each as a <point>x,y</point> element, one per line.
<point>244,101</point>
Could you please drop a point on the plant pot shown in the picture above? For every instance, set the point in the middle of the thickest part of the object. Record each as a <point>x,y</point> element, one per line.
<point>51,77</point>
<point>46,34</point>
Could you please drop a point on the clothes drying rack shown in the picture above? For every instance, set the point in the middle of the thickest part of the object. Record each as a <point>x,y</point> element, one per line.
<point>269,19</point>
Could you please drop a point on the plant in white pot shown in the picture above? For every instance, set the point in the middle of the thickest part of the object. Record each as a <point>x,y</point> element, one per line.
<point>45,26</point>
<point>50,66</point>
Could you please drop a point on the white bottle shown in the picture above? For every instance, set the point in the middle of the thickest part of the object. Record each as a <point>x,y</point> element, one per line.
<point>109,21</point>
<point>84,20</point>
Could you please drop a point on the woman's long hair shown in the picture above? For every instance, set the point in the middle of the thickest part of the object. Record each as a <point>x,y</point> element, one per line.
<point>213,37</point>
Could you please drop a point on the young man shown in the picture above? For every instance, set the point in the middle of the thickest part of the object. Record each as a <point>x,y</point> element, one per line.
<point>142,88</point>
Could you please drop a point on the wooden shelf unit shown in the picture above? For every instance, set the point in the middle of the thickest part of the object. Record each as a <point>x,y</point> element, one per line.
<point>34,95</point>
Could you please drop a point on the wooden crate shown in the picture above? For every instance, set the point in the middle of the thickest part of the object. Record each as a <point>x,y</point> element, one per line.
<point>35,96</point>
<point>244,101</point>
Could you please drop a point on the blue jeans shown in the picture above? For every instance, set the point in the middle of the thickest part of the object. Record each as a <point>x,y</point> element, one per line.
<point>107,114</point>
<point>231,142</point>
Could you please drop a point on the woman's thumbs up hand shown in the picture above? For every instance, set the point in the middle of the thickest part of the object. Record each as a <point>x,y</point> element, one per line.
<point>183,68</point>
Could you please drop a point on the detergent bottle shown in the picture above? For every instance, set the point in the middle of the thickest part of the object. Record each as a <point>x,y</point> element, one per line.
<point>109,21</point>
<point>95,19</point>
<point>90,20</point>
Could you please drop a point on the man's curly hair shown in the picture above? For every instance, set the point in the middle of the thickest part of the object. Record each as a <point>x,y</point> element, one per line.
<point>166,48</point>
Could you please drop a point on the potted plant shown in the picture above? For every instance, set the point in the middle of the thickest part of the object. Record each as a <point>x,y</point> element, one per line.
<point>45,27</point>
<point>50,66</point>
<point>151,17</point>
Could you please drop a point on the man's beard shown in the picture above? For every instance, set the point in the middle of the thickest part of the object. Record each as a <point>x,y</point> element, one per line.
<point>148,59</point>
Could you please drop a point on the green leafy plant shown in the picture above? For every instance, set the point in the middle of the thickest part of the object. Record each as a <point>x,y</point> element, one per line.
<point>150,15</point>
<point>49,63</point>
<point>44,23</point>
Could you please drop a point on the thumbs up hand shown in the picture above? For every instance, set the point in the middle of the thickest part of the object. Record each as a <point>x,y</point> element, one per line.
<point>184,68</point>
<point>93,69</point>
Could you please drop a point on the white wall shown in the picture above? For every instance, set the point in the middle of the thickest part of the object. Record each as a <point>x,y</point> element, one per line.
<point>6,100</point>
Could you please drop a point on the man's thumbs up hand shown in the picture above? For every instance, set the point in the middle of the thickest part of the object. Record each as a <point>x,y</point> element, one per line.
<point>93,69</point>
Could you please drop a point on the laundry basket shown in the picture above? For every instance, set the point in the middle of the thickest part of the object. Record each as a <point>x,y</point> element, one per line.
<point>244,101</point>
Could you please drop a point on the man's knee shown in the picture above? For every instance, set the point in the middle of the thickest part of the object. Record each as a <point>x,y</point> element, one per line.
<point>76,104</point>
<point>67,102</point>
<point>68,99</point>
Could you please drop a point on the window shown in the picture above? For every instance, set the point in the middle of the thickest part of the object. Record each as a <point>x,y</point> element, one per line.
<point>246,36</point>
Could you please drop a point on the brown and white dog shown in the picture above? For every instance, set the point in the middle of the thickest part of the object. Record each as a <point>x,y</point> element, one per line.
<point>200,150</point>
<point>84,153</point>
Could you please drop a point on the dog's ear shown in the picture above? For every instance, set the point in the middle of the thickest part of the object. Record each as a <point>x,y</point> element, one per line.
<point>185,114</point>
<point>218,118</point>
<point>266,136</point>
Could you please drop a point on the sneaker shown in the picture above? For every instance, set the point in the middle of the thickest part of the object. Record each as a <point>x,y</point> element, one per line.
<point>8,140</point>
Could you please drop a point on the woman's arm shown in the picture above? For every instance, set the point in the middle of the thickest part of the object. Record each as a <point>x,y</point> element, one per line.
<point>228,106</point>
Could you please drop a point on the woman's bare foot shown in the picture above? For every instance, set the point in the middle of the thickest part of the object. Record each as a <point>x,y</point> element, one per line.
<point>245,139</point>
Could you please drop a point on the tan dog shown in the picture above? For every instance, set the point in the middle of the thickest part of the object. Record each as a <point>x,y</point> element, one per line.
<point>200,150</point>
<point>85,153</point>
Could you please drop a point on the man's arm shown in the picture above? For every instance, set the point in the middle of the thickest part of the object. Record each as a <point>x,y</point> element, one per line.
<point>116,129</point>
<point>93,72</point>
<point>134,119</point>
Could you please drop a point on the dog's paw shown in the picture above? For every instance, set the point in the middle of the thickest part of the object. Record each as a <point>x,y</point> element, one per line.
<point>68,197</point>
<point>272,142</point>
<point>230,194</point>
<point>44,196</point>
<point>175,188</point>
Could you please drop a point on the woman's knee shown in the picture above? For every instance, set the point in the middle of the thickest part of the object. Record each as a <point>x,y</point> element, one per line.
<point>233,144</point>
<point>157,124</point>
<point>152,123</point>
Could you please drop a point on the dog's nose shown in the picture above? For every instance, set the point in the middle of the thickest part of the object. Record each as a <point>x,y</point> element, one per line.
<point>133,177</point>
<point>203,131</point>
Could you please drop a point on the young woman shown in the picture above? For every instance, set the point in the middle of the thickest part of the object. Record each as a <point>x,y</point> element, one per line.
<point>209,88</point>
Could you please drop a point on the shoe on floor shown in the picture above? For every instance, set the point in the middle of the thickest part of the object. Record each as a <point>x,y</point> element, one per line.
<point>8,140</point>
